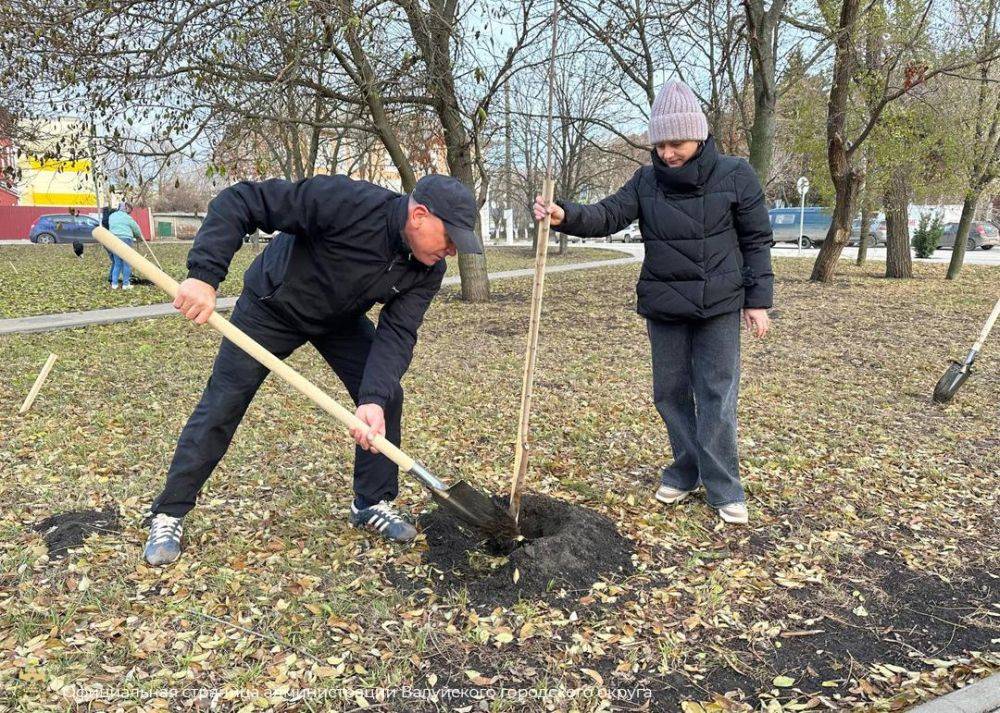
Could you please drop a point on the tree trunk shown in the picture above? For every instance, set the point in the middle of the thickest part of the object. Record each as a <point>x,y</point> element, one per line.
<point>840,229</point>
<point>432,32</point>
<point>846,179</point>
<point>762,31</point>
<point>866,221</point>
<point>961,235</point>
<point>898,262</point>
<point>762,137</point>
<point>865,198</point>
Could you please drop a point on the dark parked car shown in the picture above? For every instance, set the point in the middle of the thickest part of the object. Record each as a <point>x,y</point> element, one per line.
<point>62,228</point>
<point>980,235</point>
<point>785,225</point>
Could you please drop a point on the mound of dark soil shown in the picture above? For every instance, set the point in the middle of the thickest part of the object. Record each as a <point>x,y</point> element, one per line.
<point>567,549</point>
<point>61,532</point>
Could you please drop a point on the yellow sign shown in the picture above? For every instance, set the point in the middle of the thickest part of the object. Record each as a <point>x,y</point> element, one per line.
<point>64,199</point>
<point>54,164</point>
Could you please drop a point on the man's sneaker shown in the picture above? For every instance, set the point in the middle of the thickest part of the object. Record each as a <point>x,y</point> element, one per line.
<point>668,495</point>
<point>164,543</point>
<point>383,519</point>
<point>734,513</point>
<point>127,287</point>
<point>114,285</point>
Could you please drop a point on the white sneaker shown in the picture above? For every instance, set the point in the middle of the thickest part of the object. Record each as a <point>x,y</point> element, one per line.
<point>127,287</point>
<point>669,496</point>
<point>734,513</point>
<point>114,286</point>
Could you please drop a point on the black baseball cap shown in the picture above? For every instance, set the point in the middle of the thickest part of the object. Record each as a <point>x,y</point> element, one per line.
<point>454,204</point>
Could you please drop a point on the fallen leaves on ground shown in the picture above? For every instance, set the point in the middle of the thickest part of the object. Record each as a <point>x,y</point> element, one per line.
<point>866,579</point>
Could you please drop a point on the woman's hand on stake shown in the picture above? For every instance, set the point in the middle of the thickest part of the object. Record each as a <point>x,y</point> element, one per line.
<point>557,214</point>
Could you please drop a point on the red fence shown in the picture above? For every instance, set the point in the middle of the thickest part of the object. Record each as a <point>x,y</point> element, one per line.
<point>16,221</point>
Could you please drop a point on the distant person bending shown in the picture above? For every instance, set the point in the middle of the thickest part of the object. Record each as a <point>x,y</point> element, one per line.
<point>127,230</point>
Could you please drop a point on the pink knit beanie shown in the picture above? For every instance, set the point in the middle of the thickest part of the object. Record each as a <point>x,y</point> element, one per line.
<point>676,115</point>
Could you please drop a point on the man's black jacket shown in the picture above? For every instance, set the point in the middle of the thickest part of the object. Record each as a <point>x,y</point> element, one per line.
<point>341,251</point>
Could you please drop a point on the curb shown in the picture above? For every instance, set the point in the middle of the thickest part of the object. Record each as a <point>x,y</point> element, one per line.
<point>980,697</point>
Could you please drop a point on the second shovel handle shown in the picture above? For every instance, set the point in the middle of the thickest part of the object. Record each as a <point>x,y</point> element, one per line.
<point>241,339</point>
<point>988,326</point>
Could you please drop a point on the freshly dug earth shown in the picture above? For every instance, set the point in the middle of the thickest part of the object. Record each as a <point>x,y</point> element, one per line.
<point>70,529</point>
<point>567,549</point>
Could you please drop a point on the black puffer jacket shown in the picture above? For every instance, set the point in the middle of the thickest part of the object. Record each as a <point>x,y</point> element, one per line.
<point>706,232</point>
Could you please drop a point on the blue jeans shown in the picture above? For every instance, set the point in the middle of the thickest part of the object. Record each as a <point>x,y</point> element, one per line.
<point>696,379</point>
<point>120,268</point>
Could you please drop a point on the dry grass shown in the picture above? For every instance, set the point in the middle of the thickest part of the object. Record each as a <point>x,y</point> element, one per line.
<point>863,582</point>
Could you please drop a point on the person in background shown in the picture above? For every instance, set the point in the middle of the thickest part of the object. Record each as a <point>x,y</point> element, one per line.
<point>127,230</point>
<point>106,212</point>
<point>707,239</point>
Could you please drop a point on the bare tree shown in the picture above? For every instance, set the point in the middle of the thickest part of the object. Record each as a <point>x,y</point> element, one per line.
<point>292,74</point>
<point>700,42</point>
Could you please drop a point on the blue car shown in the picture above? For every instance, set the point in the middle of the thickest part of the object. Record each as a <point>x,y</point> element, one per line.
<point>62,228</point>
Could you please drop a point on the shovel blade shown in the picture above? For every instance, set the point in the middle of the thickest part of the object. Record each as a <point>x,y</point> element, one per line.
<point>950,382</point>
<point>476,510</point>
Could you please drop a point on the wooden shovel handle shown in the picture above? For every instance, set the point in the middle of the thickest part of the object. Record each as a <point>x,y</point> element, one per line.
<point>238,337</point>
<point>988,326</point>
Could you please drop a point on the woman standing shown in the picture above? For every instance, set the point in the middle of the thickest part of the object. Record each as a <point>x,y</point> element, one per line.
<point>707,240</point>
<point>127,230</point>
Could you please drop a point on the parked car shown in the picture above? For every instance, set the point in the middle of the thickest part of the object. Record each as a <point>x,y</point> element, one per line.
<point>62,228</point>
<point>630,234</point>
<point>876,237</point>
<point>980,235</point>
<point>912,223</point>
<point>261,236</point>
<point>785,225</point>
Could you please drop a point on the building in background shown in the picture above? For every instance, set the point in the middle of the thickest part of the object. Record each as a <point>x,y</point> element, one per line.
<point>51,172</point>
<point>55,167</point>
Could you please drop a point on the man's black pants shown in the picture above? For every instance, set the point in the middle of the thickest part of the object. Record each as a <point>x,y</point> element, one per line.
<point>235,379</point>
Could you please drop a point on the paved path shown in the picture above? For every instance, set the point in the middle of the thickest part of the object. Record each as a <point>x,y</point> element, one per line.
<point>980,697</point>
<point>976,257</point>
<point>70,320</point>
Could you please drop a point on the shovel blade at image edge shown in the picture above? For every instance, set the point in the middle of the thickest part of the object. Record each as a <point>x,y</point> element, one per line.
<point>950,382</point>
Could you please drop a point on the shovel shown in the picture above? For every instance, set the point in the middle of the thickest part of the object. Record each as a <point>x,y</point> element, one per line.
<point>461,499</point>
<point>958,372</point>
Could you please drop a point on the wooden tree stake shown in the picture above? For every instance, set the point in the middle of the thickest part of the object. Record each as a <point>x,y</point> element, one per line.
<point>42,376</point>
